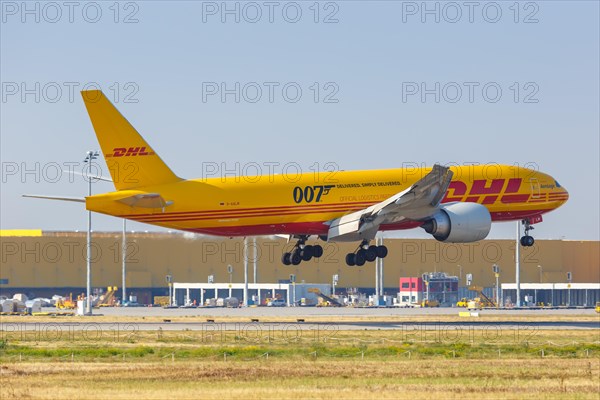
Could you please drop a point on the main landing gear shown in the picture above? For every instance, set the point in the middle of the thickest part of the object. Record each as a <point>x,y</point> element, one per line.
<point>527,241</point>
<point>302,252</point>
<point>365,253</point>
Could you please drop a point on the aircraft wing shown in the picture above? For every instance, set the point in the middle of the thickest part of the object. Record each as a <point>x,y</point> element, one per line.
<point>418,202</point>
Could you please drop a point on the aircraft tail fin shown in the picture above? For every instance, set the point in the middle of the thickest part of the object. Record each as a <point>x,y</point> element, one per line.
<point>131,161</point>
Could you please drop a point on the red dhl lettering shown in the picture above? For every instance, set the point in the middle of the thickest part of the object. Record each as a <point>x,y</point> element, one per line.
<point>130,152</point>
<point>489,190</point>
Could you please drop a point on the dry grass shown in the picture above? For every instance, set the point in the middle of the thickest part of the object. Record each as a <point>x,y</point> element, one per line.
<point>510,379</point>
<point>394,316</point>
<point>140,365</point>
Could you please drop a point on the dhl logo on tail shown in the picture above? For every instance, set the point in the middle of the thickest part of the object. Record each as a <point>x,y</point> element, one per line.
<point>130,152</point>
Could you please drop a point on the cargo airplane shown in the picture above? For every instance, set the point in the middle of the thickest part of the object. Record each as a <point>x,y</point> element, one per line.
<point>453,204</point>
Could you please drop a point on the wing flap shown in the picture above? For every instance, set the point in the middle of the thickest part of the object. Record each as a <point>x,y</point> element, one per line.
<point>418,202</point>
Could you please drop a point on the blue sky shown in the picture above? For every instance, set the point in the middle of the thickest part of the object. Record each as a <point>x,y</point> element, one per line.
<point>164,61</point>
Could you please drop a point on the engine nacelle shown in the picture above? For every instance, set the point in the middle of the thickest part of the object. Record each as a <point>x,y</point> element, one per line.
<point>460,223</point>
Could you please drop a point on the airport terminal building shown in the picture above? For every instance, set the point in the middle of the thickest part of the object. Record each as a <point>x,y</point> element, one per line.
<point>46,263</point>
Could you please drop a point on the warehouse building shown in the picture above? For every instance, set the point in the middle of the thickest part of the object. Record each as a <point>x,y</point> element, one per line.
<point>46,263</point>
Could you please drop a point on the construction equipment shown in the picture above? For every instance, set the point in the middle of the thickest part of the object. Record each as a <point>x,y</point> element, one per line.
<point>67,303</point>
<point>430,303</point>
<point>464,302</point>
<point>482,299</point>
<point>326,300</point>
<point>161,301</point>
<point>108,299</point>
<point>474,304</point>
<point>598,306</point>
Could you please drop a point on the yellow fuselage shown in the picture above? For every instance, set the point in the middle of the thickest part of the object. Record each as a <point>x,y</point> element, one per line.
<point>302,204</point>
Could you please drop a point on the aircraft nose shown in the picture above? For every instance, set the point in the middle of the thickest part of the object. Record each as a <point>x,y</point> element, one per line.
<point>559,194</point>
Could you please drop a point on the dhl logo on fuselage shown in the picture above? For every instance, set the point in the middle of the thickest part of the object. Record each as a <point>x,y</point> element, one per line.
<point>457,191</point>
<point>130,152</point>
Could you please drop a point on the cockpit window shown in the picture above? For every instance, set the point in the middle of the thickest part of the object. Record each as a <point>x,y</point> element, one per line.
<point>557,184</point>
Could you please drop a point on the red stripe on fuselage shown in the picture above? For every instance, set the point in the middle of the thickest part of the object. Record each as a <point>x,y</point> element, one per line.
<point>237,210</point>
<point>246,215</point>
<point>319,228</point>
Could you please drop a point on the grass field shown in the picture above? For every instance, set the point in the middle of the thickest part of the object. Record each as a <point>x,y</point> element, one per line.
<point>392,317</point>
<point>327,379</point>
<point>341,364</point>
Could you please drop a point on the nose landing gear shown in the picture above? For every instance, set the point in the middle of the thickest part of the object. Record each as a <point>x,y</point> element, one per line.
<point>302,252</point>
<point>527,240</point>
<point>365,253</point>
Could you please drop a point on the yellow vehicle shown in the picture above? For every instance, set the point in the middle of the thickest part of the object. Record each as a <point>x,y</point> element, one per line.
<point>464,302</point>
<point>67,303</point>
<point>598,306</point>
<point>430,303</point>
<point>474,304</point>
<point>161,301</point>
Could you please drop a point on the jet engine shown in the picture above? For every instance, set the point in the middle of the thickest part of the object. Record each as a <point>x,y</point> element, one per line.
<point>459,223</point>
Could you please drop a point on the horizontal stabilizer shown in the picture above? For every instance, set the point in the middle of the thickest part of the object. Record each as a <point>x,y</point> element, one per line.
<point>63,198</point>
<point>145,200</point>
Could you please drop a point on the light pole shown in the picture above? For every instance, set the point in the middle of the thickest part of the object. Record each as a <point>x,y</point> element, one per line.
<point>334,281</point>
<point>541,272</point>
<point>255,259</point>
<point>569,280</point>
<point>496,270</point>
<point>124,260</point>
<point>380,262</point>
<point>293,280</point>
<point>230,272</point>
<point>518,264</point>
<point>246,272</point>
<point>169,279</point>
<point>89,158</point>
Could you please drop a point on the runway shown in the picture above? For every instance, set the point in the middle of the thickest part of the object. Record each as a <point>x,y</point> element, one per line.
<point>333,312</point>
<point>79,324</point>
<point>310,319</point>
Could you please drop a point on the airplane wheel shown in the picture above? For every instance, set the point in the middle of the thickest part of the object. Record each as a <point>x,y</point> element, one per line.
<point>371,253</point>
<point>317,250</point>
<point>382,251</point>
<point>307,253</point>
<point>286,259</point>
<point>527,241</point>
<point>295,258</point>
<point>361,257</point>
<point>350,259</point>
